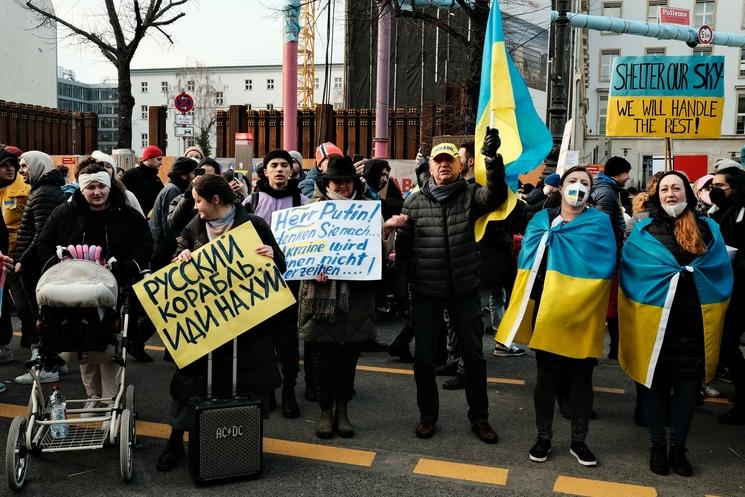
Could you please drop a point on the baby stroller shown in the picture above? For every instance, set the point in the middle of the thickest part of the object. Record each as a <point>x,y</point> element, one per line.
<point>78,312</point>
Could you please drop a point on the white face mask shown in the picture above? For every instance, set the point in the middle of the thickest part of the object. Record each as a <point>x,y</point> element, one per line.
<point>675,210</point>
<point>576,194</point>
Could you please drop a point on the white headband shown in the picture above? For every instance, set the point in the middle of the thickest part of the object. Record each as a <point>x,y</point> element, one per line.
<point>101,176</point>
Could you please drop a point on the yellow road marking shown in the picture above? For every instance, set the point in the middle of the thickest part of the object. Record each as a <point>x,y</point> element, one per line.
<point>596,488</point>
<point>465,472</point>
<point>316,452</point>
<point>376,369</point>
<point>716,400</point>
<point>609,390</point>
<point>507,381</point>
<point>156,348</point>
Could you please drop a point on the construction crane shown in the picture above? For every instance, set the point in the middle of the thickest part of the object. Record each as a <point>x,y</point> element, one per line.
<point>306,63</point>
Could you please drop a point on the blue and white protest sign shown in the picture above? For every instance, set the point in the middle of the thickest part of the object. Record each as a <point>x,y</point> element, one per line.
<point>341,238</point>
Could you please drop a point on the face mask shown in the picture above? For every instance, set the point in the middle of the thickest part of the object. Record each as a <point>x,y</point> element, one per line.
<point>704,197</point>
<point>547,189</point>
<point>717,196</point>
<point>576,194</point>
<point>674,210</point>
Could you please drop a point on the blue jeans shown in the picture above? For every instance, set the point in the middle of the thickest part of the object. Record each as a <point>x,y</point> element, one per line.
<point>683,403</point>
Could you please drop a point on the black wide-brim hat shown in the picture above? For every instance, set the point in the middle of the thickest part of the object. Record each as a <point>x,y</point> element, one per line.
<point>340,168</point>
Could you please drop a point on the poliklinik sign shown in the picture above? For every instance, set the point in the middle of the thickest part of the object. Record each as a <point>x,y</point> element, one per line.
<point>666,96</point>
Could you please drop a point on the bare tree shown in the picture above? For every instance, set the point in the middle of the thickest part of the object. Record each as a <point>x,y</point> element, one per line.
<point>118,41</point>
<point>207,90</point>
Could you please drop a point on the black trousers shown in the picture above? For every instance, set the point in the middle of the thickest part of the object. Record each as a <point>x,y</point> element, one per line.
<point>552,371</point>
<point>465,318</point>
<point>730,354</point>
<point>6,328</point>
<point>286,345</point>
<point>334,367</point>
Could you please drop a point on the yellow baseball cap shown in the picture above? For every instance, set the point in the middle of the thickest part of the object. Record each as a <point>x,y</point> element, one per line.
<point>444,148</point>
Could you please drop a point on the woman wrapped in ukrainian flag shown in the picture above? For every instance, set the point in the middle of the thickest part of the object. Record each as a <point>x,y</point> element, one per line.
<point>675,284</point>
<point>558,306</point>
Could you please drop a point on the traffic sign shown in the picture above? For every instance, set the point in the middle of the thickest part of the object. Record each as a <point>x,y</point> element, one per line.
<point>183,102</point>
<point>705,35</point>
<point>672,15</point>
<point>185,119</point>
<point>184,131</point>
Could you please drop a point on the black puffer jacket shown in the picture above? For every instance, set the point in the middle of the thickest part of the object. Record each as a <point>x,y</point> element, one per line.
<point>257,364</point>
<point>436,253</point>
<point>145,183</point>
<point>46,195</point>
<point>606,196</point>
<point>120,230</point>
<point>682,355</point>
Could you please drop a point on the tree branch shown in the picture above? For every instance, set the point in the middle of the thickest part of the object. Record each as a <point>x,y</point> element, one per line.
<point>466,8</point>
<point>115,24</point>
<point>163,32</point>
<point>92,37</point>
<point>422,16</point>
<point>169,21</point>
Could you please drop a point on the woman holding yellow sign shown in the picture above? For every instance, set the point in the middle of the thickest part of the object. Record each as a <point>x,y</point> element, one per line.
<point>257,373</point>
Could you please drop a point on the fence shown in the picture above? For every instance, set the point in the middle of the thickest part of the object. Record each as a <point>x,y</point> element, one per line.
<point>352,130</point>
<point>54,131</point>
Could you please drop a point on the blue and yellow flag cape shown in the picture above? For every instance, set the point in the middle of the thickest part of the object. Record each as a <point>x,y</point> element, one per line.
<point>505,104</point>
<point>580,266</point>
<point>647,282</point>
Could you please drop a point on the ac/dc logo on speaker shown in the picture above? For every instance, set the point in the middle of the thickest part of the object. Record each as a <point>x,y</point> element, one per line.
<point>229,432</point>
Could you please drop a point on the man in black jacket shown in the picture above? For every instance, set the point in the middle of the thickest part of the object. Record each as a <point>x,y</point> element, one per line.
<point>143,180</point>
<point>439,261</point>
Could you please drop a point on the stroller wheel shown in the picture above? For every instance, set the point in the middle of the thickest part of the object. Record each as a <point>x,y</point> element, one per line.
<point>16,455</point>
<point>126,441</point>
<point>129,399</point>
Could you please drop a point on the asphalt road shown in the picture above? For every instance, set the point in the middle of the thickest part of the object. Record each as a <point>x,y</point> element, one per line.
<point>384,413</point>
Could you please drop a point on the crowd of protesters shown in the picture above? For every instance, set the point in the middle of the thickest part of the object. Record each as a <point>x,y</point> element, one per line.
<point>578,254</point>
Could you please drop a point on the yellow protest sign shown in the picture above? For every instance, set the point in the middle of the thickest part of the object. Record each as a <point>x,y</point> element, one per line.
<point>666,96</point>
<point>226,289</point>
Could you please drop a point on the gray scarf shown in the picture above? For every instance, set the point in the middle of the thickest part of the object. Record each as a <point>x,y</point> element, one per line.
<point>442,192</point>
<point>221,225</point>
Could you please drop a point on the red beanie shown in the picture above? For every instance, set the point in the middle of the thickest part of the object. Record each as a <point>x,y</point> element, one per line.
<point>150,152</point>
<point>14,150</point>
<point>325,150</point>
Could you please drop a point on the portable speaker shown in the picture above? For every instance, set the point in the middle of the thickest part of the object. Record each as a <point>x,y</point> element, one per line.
<point>226,441</point>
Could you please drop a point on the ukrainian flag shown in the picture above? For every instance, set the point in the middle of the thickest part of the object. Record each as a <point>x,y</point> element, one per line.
<point>648,280</point>
<point>505,104</point>
<point>579,268</point>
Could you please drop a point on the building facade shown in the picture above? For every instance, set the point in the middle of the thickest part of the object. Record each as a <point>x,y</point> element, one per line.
<point>213,89</point>
<point>29,55</point>
<point>100,98</point>
<point>593,60</point>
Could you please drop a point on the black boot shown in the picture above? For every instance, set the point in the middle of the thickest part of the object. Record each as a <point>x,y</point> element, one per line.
<point>325,424</point>
<point>173,453</point>
<point>679,462</point>
<point>290,409</point>
<point>137,350</point>
<point>658,459</point>
<point>342,424</point>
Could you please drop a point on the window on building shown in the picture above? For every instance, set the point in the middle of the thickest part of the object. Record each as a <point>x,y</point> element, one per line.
<point>654,51</point>
<point>742,62</point>
<point>702,50</point>
<point>653,9</point>
<point>606,62</point>
<point>218,98</point>
<point>269,84</point>
<point>703,13</point>
<point>269,106</point>
<point>190,86</point>
<point>740,124</point>
<point>143,111</point>
<point>337,83</point>
<point>611,9</point>
<point>164,86</point>
<point>315,83</point>
<point>143,87</point>
<point>248,85</point>
<point>143,140</point>
<point>602,112</point>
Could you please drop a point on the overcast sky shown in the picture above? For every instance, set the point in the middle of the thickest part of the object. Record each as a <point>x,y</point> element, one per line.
<point>213,32</point>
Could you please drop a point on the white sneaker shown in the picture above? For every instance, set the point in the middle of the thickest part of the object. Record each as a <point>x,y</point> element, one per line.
<point>710,391</point>
<point>91,404</point>
<point>44,377</point>
<point>6,355</point>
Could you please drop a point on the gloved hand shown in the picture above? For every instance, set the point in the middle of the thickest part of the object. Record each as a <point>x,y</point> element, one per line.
<point>492,142</point>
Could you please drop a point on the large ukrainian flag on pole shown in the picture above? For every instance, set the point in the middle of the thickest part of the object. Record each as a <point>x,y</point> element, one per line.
<point>505,104</point>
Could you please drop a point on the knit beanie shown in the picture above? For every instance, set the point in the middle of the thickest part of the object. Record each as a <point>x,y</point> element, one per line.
<point>297,157</point>
<point>196,149</point>
<point>182,166</point>
<point>325,150</point>
<point>616,165</point>
<point>211,162</point>
<point>552,180</point>
<point>150,152</point>
<point>278,154</point>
